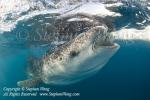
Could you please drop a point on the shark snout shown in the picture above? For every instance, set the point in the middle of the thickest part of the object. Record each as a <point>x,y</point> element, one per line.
<point>102,37</point>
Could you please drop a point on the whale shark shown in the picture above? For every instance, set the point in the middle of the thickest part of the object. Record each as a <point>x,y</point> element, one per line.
<point>77,59</point>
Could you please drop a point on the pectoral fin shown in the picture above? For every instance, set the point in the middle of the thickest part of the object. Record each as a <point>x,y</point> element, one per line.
<point>29,82</point>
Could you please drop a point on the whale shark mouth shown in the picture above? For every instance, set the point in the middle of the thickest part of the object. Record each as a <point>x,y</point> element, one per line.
<point>105,44</point>
<point>109,45</point>
<point>113,46</point>
<point>103,38</point>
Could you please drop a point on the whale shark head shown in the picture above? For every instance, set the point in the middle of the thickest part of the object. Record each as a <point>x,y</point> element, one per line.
<point>80,58</point>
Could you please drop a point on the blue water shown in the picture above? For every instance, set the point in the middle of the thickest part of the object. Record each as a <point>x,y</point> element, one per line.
<point>125,77</point>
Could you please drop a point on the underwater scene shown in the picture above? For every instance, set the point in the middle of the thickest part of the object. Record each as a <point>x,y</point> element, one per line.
<point>75,49</point>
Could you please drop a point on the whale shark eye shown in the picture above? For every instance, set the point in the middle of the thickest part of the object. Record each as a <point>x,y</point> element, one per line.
<point>60,58</point>
<point>73,53</point>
